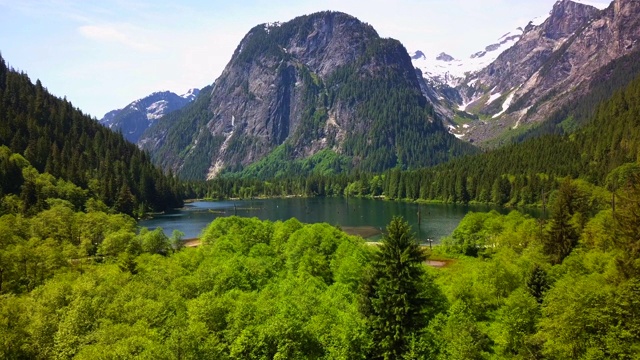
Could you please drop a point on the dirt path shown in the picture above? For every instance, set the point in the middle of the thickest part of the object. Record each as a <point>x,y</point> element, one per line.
<point>195,242</point>
<point>439,263</point>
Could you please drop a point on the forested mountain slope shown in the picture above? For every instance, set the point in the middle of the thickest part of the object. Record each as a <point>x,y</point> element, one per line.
<point>325,81</point>
<point>58,139</point>
<point>518,173</point>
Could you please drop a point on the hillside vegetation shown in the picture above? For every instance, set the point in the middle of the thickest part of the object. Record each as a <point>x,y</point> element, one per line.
<point>519,288</point>
<point>59,140</point>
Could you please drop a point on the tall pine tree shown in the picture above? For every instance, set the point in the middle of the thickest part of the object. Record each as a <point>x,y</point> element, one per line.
<point>562,236</point>
<point>397,297</point>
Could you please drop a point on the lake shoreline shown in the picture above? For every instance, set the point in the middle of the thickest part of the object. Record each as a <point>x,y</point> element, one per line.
<point>365,217</point>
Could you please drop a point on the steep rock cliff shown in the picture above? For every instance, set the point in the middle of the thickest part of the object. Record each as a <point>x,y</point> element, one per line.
<point>322,81</point>
<point>551,65</point>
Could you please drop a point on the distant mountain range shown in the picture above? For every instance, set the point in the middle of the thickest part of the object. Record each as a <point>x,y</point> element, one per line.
<point>324,93</point>
<point>531,75</point>
<point>135,118</point>
<point>444,69</point>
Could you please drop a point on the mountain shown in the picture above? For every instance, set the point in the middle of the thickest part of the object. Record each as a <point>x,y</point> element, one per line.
<point>442,76</point>
<point>322,87</point>
<point>135,118</point>
<point>44,140</point>
<point>444,69</point>
<point>552,65</point>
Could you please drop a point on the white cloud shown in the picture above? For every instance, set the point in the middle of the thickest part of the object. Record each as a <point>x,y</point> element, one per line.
<point>109,33</point>
<point>157,44</point>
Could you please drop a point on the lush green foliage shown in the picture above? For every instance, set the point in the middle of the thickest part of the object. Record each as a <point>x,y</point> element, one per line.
<point>531,293</point>
<point>86,285</point>
<point>57,139</point>
<point>281,163</point>
<point>401,298</point>
<point>255,290</point>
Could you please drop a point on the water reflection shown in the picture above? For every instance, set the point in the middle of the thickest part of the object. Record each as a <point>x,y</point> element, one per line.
<point>436,220</point>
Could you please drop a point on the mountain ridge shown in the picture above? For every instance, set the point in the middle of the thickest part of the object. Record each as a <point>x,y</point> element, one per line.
<point>319,81</point>
<point>551,65</point>
<point>137,116</point>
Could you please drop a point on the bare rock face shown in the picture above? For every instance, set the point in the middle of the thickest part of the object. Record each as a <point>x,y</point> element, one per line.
<point>520,62</point>
<point>551,64</point>
<point>309,84</point>
<point>259,96</point>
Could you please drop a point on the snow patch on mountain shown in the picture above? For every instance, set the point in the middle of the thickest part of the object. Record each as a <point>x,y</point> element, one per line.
<point>493,98</point>
<point>505,105</point>
<point>446,69</point>
<point>191,94</point>
<point>157,110</point>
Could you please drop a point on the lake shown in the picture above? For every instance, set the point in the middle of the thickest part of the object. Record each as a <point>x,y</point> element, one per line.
<point>365,217</point>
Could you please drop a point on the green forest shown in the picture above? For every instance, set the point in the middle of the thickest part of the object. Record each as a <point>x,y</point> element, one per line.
<point>42,134</point>
<point>514,288</point>
<point>80,280</point>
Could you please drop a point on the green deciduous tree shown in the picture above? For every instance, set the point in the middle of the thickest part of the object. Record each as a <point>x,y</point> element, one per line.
<point>627,226</point>
<point>155,242</point>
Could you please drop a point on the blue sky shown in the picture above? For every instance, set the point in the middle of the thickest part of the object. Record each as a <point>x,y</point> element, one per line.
<point>104,54</point>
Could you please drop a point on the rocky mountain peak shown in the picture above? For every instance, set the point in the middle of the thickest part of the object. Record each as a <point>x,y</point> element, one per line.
<point>567,17</point>
<point>322,41</point>
<point>552,64</point>
<point>294,89</point>
<point>445,57</point>
<point>418,55</point>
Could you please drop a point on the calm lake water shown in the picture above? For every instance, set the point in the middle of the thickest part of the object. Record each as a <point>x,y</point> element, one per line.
<point>369,215</point>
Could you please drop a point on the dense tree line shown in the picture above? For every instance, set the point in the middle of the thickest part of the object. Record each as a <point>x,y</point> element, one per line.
<point>58,139</point>
<point>253,290</point>
<point>87,285</point>
<point>566,288</point>
<point>514,175</point>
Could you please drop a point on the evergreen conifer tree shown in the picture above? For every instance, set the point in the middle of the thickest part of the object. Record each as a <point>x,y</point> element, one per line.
<point>397,298</point>
<point>562,236</point>
<point>537,283</point>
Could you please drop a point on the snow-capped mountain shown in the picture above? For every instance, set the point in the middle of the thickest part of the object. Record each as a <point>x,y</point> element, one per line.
<point>540,66</point>
<point>136,117</point>
<point>191,94</point>
<point>552,66</point>
<point>445,69</point>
